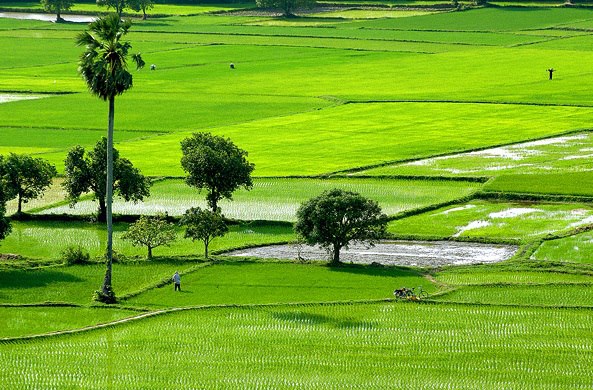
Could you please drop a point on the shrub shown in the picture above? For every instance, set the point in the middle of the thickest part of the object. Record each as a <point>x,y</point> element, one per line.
<point>75,255</point>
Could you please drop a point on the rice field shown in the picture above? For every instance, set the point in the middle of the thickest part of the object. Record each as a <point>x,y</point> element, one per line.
<point>572,249</point>
<point>319,347</point>
<point>47,239</point>
<point>76,284</point>
<point>425,95</point>
<point>519,222</point>
<point>278,199</point>
<point>246,283</point>
<point>548,156</point>
<point>489,276</point>
<point>30,321</point>
<point>560,295</point>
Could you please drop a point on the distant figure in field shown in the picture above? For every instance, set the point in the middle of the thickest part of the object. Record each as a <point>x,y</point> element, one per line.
<point>232,66</point>
<point>551,70</point>
<point>177,281</point>
<point>153,67</point>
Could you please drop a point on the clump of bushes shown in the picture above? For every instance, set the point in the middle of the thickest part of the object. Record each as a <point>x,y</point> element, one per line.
<point>75,254</point>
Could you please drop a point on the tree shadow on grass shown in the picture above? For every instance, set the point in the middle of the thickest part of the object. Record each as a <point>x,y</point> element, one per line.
<point>32,279</point>
<point>375,270</point>
<point>319,319</point>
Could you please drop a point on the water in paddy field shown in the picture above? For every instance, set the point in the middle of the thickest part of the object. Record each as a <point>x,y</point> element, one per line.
<point>47,17</point>
<point>406,253</point>
<point>6,98</point>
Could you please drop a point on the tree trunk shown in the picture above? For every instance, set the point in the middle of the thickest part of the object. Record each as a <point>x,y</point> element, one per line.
<point>149,252</point>
<point>109,200</point>
<point>102,217</point>
<point>212,199</point>
<point>19,209</point>
<point>143,13</point>
<point>206,242</point>
<point>336,258</point>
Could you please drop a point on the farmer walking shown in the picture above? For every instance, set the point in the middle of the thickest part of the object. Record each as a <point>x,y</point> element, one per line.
<point>177,281</point>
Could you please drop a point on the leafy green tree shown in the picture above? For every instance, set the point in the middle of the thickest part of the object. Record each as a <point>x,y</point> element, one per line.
<point>141,5</point>
<point>286,6</point>
<point>151,232</point>
<point>57,7</point>
<point>217,164</point>
<point>86,172</point>
<point>25,177</point>
<point>203,225</point>
<point>337,218</point>
<point>103,66</point>
<point>117,5</point>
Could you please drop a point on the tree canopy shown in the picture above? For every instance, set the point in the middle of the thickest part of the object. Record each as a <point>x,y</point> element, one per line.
<point>141,5</point>
<point>337,218</point>
<point>151,232</point>
<point>216,164</point>
<point>117,5</point>
<point>25,177</point>
<point>203,225</point>
<point>57,7</point>
<point>286,6</point>
<point>86,172</point>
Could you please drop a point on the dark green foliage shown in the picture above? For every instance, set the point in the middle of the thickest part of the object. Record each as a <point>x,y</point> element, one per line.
<point>286,6</point>
<point>141,5</point>
<point>103,63</point>
<point>26,177</point>
<point>105,295</point>
<point>203,225</point>
<point>337,218</point>
<point>75,255</point>
<point>117,5</point>
<point>151,232</point>
<point>87,173</point>
<point>57,7</point>
<point>217,164</point>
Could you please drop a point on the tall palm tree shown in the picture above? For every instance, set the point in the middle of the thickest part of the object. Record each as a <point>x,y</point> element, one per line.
<point>103,66</point>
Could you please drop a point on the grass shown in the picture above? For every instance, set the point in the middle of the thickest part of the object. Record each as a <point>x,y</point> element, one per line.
<point>278,199</point>
<point>319,347</point>
<point>253,283</point>
<point>47,239</point>
<point>573,249</point>
<point>193,53</point>
<point>28,321</point>
<point>544,160</point>
<point>76,284</point>
<point>495,221</point>
<point>158,9</point>
<point>490,275</point>
<point>556,295</point>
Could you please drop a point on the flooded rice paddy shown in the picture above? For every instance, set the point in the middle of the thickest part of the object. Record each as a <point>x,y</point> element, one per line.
<point>47,17</point>
<point>405,253</point>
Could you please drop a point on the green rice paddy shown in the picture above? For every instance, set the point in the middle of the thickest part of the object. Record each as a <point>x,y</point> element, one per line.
<point>319,347</point>
<point>496,221</point>
<point>277,199</point>
<point>447,119</point>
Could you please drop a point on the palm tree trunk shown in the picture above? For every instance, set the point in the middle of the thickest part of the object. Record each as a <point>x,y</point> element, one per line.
<point>109,198</point>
